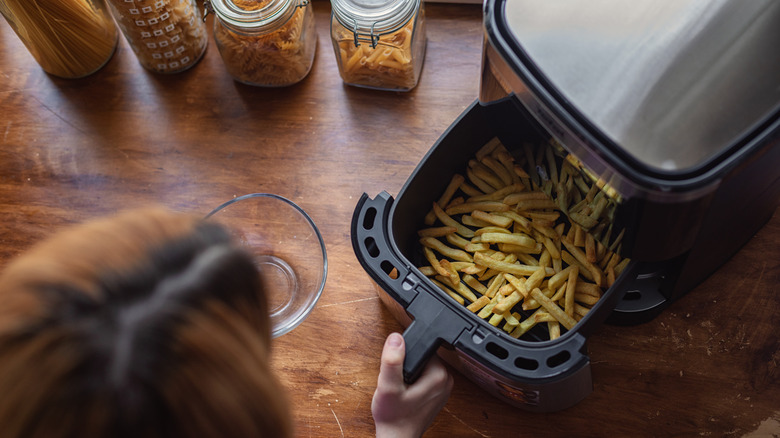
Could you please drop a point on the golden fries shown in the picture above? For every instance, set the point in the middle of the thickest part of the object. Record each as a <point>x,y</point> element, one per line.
<point>449,221</point>
<point>509,267</point>
<point>447,251</point>
<point>471,206</point>
<point>523,244</point>
<point>445,198</point>
<point>436,231</point>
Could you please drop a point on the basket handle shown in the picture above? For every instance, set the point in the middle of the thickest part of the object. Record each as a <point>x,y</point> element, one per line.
<point>434,324</point>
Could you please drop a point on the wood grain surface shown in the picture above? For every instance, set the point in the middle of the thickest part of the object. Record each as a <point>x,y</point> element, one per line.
<point>71,150</point>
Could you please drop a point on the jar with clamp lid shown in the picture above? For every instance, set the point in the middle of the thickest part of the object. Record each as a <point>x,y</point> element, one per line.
<point>167,36</point>
<point>68,38</point>
<point>267,43</point>
<point>379,43</point>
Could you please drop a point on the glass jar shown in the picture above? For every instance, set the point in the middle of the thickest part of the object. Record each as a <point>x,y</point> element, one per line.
<point>379,43</point>
<point>167,36</point>
<point>267,43</point>
<point>68,38</point>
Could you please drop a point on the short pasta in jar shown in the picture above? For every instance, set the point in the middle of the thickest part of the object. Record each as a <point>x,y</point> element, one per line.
<point>268,43</point>
<point>167,36</point>
<point>380,50</point>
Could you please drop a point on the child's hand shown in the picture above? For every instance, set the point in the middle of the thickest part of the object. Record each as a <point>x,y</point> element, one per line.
<point>406,411</point>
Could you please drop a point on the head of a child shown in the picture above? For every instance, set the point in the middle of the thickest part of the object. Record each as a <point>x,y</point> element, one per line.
<point>146,324</point>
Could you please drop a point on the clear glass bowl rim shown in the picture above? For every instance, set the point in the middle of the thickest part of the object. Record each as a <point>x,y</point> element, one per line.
<point>278,331</point>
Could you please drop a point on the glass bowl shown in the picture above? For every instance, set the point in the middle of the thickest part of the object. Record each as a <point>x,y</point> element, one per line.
<point>288,250</point>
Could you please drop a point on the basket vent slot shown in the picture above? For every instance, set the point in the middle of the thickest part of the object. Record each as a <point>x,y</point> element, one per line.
<point>371,247</point>
<point>497,350</point>
<point>632,295</point>
<point>389,269</point>
<point>558,359</point>
<point>369,218</point>
<point>525,363</point>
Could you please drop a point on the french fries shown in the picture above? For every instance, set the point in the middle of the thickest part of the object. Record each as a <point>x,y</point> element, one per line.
<point>523,242</point>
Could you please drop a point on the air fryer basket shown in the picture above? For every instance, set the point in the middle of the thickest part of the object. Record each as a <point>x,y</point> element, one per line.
<point>548,375</point>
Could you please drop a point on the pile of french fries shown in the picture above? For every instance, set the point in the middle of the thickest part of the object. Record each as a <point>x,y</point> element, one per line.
<point>522,242</point>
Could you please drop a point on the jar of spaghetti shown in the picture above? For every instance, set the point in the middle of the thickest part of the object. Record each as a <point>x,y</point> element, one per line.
<point>379,43</point>
<point>167,36</point>
<point>68,38</point>
<point>267,43</point>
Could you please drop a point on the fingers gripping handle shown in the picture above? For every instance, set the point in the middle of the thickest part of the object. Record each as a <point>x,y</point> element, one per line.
<point>419,349</point>
<point>433,325</point>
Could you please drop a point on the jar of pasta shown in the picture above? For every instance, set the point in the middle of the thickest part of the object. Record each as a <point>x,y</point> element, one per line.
<point>167,36</point>
<point>267,43</point>
<point>68,38</point>
<point>379,43</point>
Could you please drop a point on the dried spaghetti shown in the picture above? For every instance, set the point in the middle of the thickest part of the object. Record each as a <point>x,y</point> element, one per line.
<point>69,39</point>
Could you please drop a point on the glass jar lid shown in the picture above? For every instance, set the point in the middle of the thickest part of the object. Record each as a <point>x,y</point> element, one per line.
<point>256,15</point>
<point>369,19</point>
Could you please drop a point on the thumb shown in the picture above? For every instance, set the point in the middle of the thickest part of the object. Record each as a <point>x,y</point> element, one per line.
<point>391,369</point>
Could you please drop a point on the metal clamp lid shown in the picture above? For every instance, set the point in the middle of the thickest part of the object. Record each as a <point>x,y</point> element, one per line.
<point>370,19</point>
<point>269,16</point>
<point>373,38</point>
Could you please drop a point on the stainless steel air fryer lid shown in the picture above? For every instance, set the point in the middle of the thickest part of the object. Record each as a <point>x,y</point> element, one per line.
<point>655,96</point>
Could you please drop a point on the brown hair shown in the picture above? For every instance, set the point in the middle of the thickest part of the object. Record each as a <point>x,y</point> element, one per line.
<point>145,324</point>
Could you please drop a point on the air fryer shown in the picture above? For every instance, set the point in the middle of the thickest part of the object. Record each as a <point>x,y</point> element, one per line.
<point>671,106</point>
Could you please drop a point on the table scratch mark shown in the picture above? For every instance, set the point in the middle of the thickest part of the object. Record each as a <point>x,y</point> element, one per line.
<point>465,424</point>
<point>349,302</point>
<point>337,421</point>
<point>56,114</point>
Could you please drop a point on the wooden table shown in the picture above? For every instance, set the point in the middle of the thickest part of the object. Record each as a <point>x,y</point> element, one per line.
<point>77,149</point>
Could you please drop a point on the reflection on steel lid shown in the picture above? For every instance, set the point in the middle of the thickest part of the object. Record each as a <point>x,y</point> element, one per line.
<point>672,82</point>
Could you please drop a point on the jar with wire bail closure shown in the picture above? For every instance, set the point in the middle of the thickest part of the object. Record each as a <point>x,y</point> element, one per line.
<point>267,43</point>
<point>379,43</point>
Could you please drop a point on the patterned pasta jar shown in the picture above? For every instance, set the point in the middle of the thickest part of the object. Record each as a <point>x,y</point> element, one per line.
<point>68,38</point>
<point>167,36</point>
<point>379,44</point>
<point>266,43</point>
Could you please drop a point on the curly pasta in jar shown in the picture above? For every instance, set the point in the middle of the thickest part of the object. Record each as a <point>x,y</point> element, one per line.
<point>267,43</point>
<point>379,46</point>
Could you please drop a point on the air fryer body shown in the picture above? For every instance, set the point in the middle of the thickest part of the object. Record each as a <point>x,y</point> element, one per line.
<point>695,170</point>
